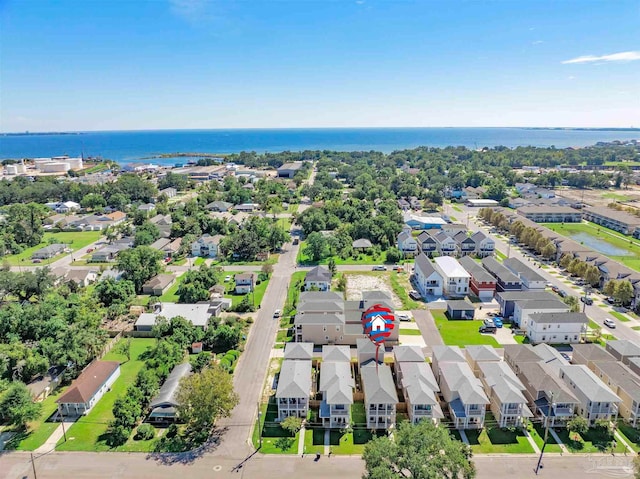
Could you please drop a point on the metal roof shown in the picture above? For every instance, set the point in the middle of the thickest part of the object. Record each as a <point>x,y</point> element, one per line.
<point>167,393</point>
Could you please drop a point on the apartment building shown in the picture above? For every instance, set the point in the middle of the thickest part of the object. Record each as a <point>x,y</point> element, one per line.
<point>551,214</point>
<point>619,221</point>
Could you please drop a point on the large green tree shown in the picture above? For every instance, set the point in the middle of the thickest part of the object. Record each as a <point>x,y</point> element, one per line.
<point>205,397</point>
<point>16,405</point>
<point>139,264</point>
<point>421,451</point>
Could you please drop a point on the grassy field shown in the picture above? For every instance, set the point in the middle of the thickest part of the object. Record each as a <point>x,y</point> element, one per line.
<point>38,431</point>
<point>256,297</point>
<point>361,258</point>
<point>401,287</point>
<point>314,441</point>
<point>74,240</point>
<point>537,434</point>
<point>461,333</point>
<point>617,240</point>
<point>88,433</point>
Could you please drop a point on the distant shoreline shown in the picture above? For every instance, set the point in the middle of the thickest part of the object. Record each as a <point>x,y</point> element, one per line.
<point>539,128</point>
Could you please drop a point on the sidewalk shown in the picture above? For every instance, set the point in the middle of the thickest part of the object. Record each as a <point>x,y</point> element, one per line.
<point>50,444</point>
<point>558,440</point>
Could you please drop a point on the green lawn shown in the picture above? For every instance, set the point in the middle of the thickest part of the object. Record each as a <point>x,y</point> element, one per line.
<point>170,295</point>
<point>39,431</point>
<point>271,431</point>
<point>619,316</point>
<point>293,293</point>
<point>199,260</point>
<point>88,433</point>
<point>74,239</point>
<point>589,443</point>
<point>457,208</point>
<point>410,332</point>
<point>500,255</point>
<point>631,434</point>
<point>461,333</point>
<point>537,434</point>
<point>314,441</point>
<point>636,328</point>
<point>256,297</point>
<point>496,440</point>
<point>358,414</point>
<point>616,196</point>
<point>351,443</point>
<point>361,258</point>
<point>617,240</point>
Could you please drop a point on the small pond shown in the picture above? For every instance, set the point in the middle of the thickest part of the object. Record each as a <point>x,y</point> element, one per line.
<point>599,245</point>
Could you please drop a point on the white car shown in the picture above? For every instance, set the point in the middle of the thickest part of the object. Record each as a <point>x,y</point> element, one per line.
<point>227,278</point>
<point>277,313</point>
<point>404,317</point>
<point>379,268</point>
<point>610,323</point>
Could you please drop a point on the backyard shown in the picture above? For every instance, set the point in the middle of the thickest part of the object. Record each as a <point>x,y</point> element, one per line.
<point>460,332</point>
<point>88,433</point>
<point>616,246</point>
<point>74,239</point>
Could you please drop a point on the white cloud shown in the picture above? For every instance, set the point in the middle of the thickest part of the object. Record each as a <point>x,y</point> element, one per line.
<point>191,10</point>
<point>614,57</point>
<point>537,42</point>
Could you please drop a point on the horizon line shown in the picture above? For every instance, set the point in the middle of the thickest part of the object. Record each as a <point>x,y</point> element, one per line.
<point>51,132</point>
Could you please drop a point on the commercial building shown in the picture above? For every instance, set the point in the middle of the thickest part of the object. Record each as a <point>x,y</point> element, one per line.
<point>289,170</point>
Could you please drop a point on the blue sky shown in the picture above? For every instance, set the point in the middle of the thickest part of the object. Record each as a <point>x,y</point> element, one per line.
<point>145,64</point>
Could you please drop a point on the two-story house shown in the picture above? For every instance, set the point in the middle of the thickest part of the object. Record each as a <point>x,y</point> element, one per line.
<point>426,278</point>
<point>531,280</point>
<point>505,392</point>
<point>465,244</point>
<point>407,244</point>
<point>336,386</point>
<point>623,349</point>
<point>625,383</point>
<point>506,280</point>
<point>455,279</point>
<point>556,328</point>
<point>445,354</point>
<point>318,279</point>
<point>206,246</point>
<point>427,243</point>
<point>445,244</point>
<point>380,396</point>
<point>294,388</point>
<point>523,309</point>
<point>588,354</point>
<point>464,394</point>
<point>485,245</point>
<point>476,355</point>
<point>597,401</point>
<point>245,282</point>
<point>481,283</point>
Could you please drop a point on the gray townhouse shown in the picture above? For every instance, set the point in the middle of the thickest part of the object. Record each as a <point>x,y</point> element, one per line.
<point>302,351</point>
<point>427,279</point>
<point>445,244</point>
<point>506,280</point>
<point>619,221</point>
<point>464,394</point>
<point>476,355</point>
<point>294,388</point>
<point>505,391</point>
<point>442,354</point>
<point>623,382</point>
<point>517,354</point>
<point>551,214</point>
<point>485,245</point>
<point>597,401</point>
<point>550,398</point>
<point>623,349</point>
<point>588,354</point>
<point>507,299</point>
<point>524,309</point>
<point>531,280</point>
<point>427,243</point>
<point>336,386</point>
<point>380,396</point>
<point>465,244</point>
<point>407,244</point>
<point>556,328</point>
<point>418,384</point>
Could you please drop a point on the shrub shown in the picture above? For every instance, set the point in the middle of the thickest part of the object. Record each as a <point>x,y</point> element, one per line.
<point>118,435</point>
<point>172,430</point>
<point>145,432</point>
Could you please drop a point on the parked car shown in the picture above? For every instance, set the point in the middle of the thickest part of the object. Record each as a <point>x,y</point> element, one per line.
<point>379,268</point>
<point>549,285</point>
<point>487,329</point>
<point>610,300</point>
<point>562,293</point>
<point>555,289</point>
<point>404,317</point>
<point>498,322</point>
<point>227,278</point>
<point>586,300</point>
<point>296,241</point>
<point>37,261</point>
<point>610,323</point>
<point>90,250</point>
<point>413,294</point>
<point>277,313</point>
<point>488,322</point>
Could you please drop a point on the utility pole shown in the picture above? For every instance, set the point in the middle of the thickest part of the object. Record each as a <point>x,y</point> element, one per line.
<point>33,464</point>
<point>546,435</point>
<point>64,432</point>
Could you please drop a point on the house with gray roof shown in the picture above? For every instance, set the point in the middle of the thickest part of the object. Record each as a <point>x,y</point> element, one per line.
<point>419,388</point>
<point>597,401</point>
<point>506,280</point>
<point>523,309</point>
<point>556,328</point>
<point>426,278</point>
<point>318,278</point>
<point>427,243</point>
<point>551,357</point>
<point>482,283</point>
<point>445,244</point>
<point>294,387</point>
<point>164,405</point>
<point>465,244</point>
<point>298,351</point>
<point>623,349</point>
<point>336,385</point>
<point>49,251</point>
<point>361,244</point>
<point>464,393</point>
<point>380,396</point>
<point>477,355</point>
<point>206,246</point>
<point>625,383</point>
<point>507,299</point>
<point>485,245</point>
<point>505,392</point>
<point>589,353</point>
<point>531,280</point>
<point>197,314</point>
<point>442,354</point>
<point>407,353</point>
<point>219,206</point>
<point>407,244</point>
<point>158,285</point>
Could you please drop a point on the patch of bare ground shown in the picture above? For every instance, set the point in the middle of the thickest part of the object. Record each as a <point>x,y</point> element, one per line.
<point>357,283</point>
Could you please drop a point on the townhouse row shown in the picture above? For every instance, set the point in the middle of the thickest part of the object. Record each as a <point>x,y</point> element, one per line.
<point>449,240</point>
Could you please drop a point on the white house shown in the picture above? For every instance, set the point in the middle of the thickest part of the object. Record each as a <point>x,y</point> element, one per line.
<point>427,279</point>
<point>531,280</point>
<point>556,328</point>
<point>485,246</point>
<point>206,246</point>
<point>88,388</point>
<point>318,278</point>
<point>445,244</point>
<point>380,396</point>
<point>407,243</point>
<point>522,309</point>
<point>294,387</point>
<point>455,278</point>
<point>597,401</point>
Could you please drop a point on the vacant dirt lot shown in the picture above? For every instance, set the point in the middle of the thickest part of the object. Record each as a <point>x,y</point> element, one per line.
<point>356,283</point>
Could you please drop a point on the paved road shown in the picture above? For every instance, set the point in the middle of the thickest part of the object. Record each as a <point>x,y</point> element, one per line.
<point>595,312</point>
<point>134,466</point>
